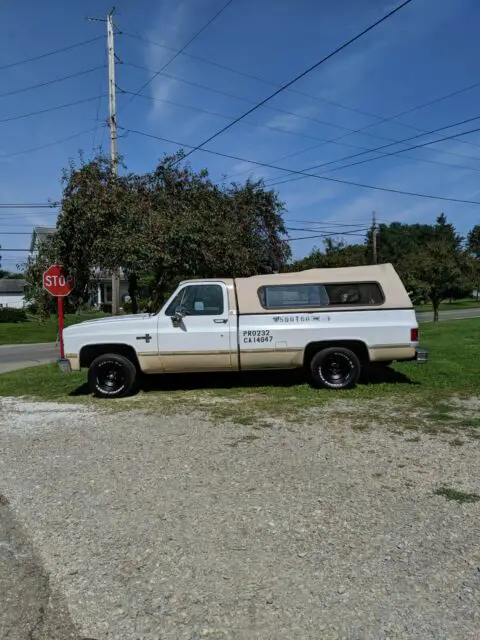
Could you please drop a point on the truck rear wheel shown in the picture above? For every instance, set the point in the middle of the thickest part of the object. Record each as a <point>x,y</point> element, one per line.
<point>335,368</point>
<point>111,376</point>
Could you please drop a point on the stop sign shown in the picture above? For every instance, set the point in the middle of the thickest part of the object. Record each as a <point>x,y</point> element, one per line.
<point>57,282</point>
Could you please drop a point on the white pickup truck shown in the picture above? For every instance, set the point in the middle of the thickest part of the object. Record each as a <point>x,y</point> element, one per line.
<point>332,322</point>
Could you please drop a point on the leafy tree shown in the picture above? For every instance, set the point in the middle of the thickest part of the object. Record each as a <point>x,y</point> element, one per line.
<point>336,253</point>
<point>40,301</point>
<point>473,247</point>
<point>441,265</point>
<point>171,223</point>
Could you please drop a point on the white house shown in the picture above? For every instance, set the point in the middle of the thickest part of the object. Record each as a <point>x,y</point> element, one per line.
<point>101,285</point>
<point>12,293</point>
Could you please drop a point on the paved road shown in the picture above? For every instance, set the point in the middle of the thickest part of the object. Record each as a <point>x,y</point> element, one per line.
<point>19,356</point>
<point>454,314</point>
<point>13,357</point>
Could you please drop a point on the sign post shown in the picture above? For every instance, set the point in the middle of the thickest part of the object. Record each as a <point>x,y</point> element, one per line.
<point>58,284</point>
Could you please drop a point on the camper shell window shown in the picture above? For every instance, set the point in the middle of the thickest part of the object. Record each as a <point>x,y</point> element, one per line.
<point>305,296</point>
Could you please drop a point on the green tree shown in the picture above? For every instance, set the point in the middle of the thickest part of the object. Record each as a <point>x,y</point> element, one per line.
<point>473,247</point>
<point>440,265</point>
<point>336,253</point>
<point>169,224</point>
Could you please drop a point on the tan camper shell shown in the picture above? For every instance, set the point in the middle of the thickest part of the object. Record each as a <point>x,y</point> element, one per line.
<point>332,322</point>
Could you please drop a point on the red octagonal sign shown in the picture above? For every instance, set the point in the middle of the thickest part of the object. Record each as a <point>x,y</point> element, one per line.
<point>57,282</point>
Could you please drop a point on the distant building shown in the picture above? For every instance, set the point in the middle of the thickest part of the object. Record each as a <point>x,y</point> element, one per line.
<point>101,285</point>
<point>39,235</point>
<point>12,293</point>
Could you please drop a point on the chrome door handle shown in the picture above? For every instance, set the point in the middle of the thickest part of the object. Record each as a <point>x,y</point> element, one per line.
<point>221,320</point>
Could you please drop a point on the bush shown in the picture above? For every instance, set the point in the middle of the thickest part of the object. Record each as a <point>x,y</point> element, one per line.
<point>12,315</point>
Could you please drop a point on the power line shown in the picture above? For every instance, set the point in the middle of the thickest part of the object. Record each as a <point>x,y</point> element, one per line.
<point>356,155</point>
<point>178,53</point>
<point>56,108</point>
<point>328,229</point>
<point>49,53</point>
<point>331,235</point>
<point>295,133</point>
<point>47,145</point>
<point>308,175</point>
<point>417,146</point>
<point>380,119</point>
<point>249,122</point>
<point>304,135</point>
<point>28,205</point>
<point>50,82</point>
<point>329,224</point>
<point>301,75</point>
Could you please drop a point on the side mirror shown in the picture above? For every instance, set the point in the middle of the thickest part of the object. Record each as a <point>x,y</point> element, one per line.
<point>178,316</point>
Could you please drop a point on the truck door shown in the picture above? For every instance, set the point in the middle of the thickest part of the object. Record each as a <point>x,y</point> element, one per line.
<point>198,338</point>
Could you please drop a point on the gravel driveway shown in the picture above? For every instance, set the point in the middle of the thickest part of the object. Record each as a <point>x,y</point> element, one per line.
<point>158,527</point>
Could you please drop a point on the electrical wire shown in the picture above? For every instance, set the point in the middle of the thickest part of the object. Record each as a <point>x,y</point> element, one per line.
<point>296,133</point>
<point>309,175</point>
<point>419,135</point>
<point>417,146</point>
<point>331,235</point>
<point>50,53</point>
<point>329,224</point>
<point>28,205</point>
<point>249,122</point>
<point>301,75</point>
<point>178,53</point>
<point>369,114</point>
<point>47,145</point>
<point>41,111</point>
<point>50,82</point>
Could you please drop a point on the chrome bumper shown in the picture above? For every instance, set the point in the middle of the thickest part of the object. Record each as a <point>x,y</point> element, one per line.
<point>421,355</point>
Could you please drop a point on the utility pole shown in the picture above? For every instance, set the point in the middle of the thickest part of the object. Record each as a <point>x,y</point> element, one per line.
<point>112,123</point>
<point>374,237</point>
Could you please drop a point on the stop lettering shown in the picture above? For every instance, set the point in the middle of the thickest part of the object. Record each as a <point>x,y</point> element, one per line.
<point>57,282</point>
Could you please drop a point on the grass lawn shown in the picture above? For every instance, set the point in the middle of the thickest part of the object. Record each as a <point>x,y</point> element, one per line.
<point>403,390</point>
<point>467,303</point>
<point>36,330</point>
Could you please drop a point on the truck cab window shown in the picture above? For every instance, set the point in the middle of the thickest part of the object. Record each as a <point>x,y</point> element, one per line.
<point>198,300</point>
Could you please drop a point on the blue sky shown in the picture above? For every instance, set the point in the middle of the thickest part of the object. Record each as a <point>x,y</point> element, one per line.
<point>427,50</point>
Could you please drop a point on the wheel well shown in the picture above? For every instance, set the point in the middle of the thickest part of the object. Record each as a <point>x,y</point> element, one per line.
<point>358,347</point>
<point>92,351</point>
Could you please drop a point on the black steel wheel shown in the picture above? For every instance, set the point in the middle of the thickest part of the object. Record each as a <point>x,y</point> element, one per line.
<point>111,376</point>
<point>335,368</point>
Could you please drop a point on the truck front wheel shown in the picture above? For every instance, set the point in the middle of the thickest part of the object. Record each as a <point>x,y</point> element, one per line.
<point>111,376</point>
<point>335,368</point>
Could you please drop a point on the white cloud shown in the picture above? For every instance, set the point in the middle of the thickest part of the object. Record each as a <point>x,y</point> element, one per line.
<point>294,121</point>
<point>170,25</point>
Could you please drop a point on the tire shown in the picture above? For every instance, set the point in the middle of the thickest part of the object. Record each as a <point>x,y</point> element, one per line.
<point>335,368</point>
<point>111,376</point>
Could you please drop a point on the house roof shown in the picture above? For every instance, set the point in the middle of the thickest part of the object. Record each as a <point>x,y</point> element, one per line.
<point>39,235</point>
<point>12,285</point>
